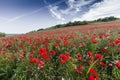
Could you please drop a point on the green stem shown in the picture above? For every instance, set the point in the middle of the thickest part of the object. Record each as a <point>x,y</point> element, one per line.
<point>91,66</point>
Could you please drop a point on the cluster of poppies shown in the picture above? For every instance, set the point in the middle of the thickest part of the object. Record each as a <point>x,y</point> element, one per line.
<point>57,54</point>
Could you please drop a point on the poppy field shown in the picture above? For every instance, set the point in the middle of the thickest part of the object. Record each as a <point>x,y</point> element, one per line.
<point>88,52</point>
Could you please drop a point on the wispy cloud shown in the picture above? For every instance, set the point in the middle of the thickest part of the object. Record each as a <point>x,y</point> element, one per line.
<point>74,6</point>
<point>24,15</point>
<point>31,13</point>
<point>53,8</point>
<point>102,9</point>
<point>55,13</point>
<point>8,20</point>
<point>3,18</point>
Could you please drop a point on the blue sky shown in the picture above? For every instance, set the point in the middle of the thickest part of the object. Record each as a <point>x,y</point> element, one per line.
<point>21,16</point>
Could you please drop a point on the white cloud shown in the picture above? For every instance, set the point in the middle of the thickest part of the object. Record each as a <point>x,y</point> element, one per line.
<point>74,6</point>
<point>55,13</point>
<point>102,9</point>
<point>4,19</point>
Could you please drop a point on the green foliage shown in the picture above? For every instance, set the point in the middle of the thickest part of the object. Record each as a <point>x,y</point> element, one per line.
<point>2,34</point>
<point>106,19</point>
<point>76,23</point>
<point>40,29</point>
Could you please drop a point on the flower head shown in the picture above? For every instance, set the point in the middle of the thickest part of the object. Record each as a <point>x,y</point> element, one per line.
<point>118,65</point>
<point>99,56</point>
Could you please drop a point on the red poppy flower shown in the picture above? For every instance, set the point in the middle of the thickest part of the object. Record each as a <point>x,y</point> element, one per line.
<point>34,60</point>
<point>117,42</point>
<point>101,36</point>
<point>118,65</point>
<point>81,66</point>
<point>41,63</point>
<point>95,77</point>
<point>64,58</point>
<point>43,53</point>
<point>99,56</point>
<point>80,59</point>
<point>102,49</point>
<point>118,32</point>
<point>90,53</point>
<point>92,78</point>
<point>21,54</point>
<point>63,61</point>
<point>94,41</point>
<point>93,72</point>
<point>79,55</point>
<point>102,64</point>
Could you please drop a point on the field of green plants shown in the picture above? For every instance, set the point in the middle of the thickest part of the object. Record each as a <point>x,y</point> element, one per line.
<point>89,53</point>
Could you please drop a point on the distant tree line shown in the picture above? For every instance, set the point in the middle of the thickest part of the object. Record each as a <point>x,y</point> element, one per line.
<point>40,29</point>
<point>2,34</point>
<point>75,23</point>
<point>106,19</point>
